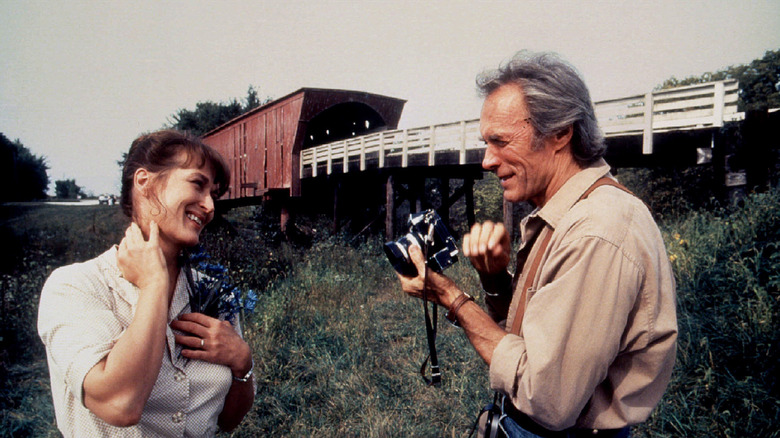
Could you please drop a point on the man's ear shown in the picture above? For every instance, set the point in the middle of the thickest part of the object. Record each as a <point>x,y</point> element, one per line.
<point>562,138</point>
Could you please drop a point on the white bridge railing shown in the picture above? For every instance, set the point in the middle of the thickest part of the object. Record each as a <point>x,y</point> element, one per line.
<point>692,107</point>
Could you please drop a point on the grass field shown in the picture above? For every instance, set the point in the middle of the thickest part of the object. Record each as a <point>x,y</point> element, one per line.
<point>338,347</point>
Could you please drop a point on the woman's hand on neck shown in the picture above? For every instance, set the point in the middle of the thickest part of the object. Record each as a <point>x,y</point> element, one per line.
<point>141,259</point>
<point>171,253</point>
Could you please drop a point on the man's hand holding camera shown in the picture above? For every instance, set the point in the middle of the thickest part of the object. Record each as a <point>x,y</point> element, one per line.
<point>488,247</point>
<point>441,290</point>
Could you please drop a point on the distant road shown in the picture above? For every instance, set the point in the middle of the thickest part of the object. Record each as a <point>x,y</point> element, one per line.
<point>82,202</point>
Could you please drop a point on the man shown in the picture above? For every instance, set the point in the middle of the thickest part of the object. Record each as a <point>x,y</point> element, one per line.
<point>583,342</point>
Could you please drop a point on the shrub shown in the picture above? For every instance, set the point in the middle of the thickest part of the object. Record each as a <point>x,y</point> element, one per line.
<point>37,239</point>
<point>727,267</point>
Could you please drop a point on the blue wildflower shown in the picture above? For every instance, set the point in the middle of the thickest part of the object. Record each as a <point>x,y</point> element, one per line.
<point>250,301</point>
<point>212,293</point>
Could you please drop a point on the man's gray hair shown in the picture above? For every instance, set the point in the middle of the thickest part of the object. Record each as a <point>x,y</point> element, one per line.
<point>556,96</point>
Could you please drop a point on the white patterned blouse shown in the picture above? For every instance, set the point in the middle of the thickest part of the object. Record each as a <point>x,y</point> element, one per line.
<point>84,309</point>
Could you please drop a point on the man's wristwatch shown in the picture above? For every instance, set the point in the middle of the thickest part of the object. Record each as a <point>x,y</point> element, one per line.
<point>247,376</point>
<point>452,314</point>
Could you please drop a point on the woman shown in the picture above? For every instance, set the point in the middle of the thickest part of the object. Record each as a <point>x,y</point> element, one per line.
<point>126,355</point>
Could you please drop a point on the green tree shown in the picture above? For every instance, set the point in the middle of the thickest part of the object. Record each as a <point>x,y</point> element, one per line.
<point>67,189</point>
<point>252,100</point>
<point>23,175</point>
<point>206,116</point>
<point>209,115</point>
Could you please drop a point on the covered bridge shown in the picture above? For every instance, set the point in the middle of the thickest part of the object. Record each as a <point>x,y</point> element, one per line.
<point>263,146</point>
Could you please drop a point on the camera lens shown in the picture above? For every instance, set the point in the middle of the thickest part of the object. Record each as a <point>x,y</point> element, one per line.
<point>398,254</point>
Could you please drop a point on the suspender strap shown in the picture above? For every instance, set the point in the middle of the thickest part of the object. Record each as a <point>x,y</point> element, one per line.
<point>548,232</point>
<point>518,321</point>
<point>604,181</point>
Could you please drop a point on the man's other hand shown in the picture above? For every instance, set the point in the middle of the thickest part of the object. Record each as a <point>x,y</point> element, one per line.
<point>488,247</point>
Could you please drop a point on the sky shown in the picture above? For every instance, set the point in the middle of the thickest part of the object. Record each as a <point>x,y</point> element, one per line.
<point>79,80</point>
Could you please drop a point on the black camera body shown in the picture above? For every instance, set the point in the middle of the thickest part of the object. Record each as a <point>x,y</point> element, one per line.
<point>424,226</point>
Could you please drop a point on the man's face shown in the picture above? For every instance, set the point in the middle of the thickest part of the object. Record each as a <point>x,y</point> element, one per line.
<point>505,127</point>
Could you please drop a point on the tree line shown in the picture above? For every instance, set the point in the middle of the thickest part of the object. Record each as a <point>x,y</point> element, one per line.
<point>759,81</point>
<point>23,175</point>
<point>209,115</point>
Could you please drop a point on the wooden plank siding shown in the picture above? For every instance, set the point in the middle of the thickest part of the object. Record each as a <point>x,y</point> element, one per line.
<point>258,149</point>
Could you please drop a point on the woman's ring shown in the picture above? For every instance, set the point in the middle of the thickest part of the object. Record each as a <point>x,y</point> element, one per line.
<point>202,343</point>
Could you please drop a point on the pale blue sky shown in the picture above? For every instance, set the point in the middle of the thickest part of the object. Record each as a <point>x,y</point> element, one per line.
<point>80,79</point>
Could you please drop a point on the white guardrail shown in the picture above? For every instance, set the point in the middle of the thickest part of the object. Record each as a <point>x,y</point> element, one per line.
<point>692,107</point>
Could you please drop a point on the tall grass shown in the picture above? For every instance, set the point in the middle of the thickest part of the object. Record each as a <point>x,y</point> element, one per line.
<point>338,346</point>
<point>36,240</point>
<point>338,350</point>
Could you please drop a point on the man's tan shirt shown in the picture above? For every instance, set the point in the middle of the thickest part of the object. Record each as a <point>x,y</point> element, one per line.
<point>598,339</point>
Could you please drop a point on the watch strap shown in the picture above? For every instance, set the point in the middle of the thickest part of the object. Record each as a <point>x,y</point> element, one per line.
<point>452,314</point>
<point>247,376</point>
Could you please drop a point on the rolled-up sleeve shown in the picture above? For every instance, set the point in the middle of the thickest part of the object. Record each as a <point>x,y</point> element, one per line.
<point>498,295</point>
<point>77,325</point>
<point>571,333</point>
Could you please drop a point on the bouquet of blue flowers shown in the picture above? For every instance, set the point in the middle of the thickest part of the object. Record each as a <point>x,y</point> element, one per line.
<point>211,292</point>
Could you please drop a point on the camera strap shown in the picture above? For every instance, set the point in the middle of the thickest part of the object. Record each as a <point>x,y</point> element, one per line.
<point>431,322</point>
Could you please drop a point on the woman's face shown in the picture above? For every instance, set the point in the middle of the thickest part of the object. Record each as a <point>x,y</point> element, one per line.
<point>184,204</point>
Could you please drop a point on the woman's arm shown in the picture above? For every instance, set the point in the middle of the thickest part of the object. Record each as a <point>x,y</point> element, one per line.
<point>237,402</point>
<point>117,388</point>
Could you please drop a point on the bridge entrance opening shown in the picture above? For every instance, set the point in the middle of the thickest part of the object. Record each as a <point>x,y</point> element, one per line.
<point>342,121</point>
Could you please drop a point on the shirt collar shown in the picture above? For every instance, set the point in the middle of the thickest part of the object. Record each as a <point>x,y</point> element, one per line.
<point>181,297</point>
<point>129,292</point>
<point>571,191</point>
<point>113,275</point>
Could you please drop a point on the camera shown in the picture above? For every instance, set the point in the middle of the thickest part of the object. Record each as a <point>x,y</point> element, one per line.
<point>425,228</point>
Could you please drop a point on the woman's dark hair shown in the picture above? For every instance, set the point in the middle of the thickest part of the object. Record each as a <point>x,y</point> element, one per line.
<point>158,152</point>
<point>556,96</point>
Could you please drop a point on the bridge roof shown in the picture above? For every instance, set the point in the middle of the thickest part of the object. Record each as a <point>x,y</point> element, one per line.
<point>318,99</point>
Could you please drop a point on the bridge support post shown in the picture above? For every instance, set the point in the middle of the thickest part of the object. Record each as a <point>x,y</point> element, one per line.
<point>757,155</point>
<point>468,185</point>
<point>418,188</point>
<point>284,217</point>
<point>336,187</point>
<point>444,212</point>
<point>389,207</point>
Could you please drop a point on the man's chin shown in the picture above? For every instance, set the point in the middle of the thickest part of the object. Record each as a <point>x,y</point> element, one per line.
<point>512,197</point>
